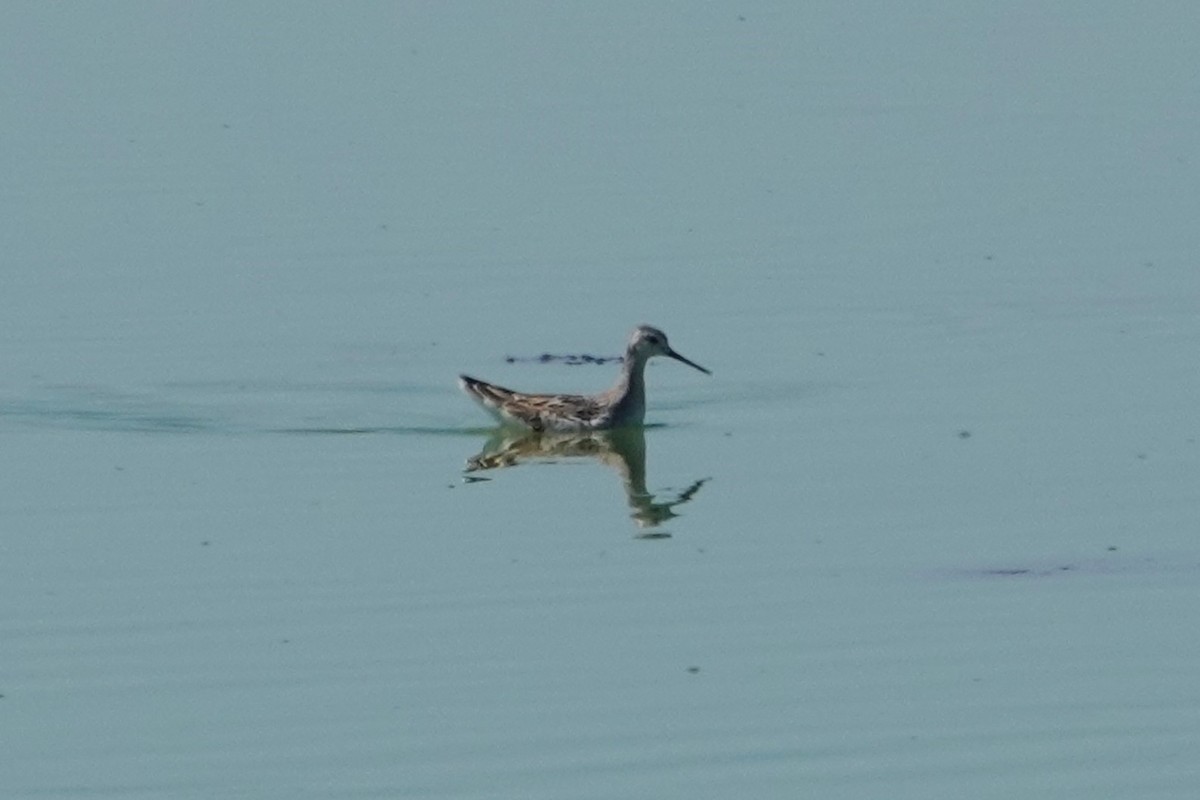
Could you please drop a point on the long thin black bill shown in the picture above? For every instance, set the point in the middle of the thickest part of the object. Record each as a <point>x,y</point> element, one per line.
<point>693,364</point>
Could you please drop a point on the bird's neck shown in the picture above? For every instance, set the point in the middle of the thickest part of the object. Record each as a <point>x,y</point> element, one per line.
<point>631,389</point>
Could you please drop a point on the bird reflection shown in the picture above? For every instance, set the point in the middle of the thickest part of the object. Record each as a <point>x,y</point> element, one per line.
<point>622,449</point>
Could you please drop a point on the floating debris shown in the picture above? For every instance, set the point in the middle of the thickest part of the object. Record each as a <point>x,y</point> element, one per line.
<point>571,360</point>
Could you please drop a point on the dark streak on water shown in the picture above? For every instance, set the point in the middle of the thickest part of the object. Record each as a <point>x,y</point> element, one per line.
<point>1110,565</point>
<point>112,420</point>
<point>571,360</point>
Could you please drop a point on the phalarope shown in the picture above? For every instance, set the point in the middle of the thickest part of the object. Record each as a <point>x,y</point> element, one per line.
<point>623,404</point>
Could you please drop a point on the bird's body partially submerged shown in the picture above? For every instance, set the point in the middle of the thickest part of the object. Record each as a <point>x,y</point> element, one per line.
<point>624,404</point>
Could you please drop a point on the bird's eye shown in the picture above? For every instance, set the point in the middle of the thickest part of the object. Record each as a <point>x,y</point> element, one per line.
<point>652,339</point>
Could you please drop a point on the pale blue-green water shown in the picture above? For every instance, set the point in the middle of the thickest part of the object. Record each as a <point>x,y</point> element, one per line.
<point>930,529</point>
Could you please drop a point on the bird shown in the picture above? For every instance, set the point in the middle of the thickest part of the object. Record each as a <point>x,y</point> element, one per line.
<point>621,406</point>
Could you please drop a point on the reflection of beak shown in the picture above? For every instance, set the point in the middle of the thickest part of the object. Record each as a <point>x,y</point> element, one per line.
<point>678,357</point>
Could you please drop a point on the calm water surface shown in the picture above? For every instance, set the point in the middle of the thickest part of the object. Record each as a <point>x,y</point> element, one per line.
<point>929,529</point>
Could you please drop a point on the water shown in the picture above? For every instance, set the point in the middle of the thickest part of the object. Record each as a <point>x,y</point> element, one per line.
<point>937,535</point>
